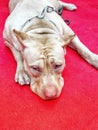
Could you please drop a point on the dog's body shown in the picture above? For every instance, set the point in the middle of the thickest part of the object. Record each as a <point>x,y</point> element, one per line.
<point>37,36</point>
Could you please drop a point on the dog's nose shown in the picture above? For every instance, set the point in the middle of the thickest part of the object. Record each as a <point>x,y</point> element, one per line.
<point>50,92</point>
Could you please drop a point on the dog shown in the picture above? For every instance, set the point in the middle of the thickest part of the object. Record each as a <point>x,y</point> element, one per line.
<point>37,37</point>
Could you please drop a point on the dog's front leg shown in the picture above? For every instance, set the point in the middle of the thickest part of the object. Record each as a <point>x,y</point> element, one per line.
<point>20,77</point>
<point>77,45</point>
<point>68,6</point>
<point>90,57</point>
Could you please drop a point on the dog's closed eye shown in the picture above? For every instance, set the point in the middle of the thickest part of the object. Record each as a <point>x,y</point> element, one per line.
<point>57,67</point>
<point>36,70</point>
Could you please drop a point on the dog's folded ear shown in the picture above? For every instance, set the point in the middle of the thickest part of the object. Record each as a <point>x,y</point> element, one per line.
<point>21,36</point>
<point>67,39</point>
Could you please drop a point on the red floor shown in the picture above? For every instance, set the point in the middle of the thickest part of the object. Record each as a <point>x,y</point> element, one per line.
<point>77,107</point>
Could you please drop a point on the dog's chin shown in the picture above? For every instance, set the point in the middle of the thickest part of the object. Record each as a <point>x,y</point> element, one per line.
<point>42,96</point>
<point>47,93</point>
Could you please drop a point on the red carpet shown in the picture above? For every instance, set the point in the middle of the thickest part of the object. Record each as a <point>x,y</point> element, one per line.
<point>77,107</point>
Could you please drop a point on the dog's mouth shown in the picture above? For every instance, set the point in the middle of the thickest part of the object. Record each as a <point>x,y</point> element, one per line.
<point>49,92</point>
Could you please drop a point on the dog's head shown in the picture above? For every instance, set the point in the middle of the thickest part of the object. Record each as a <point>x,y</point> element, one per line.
<point>44,62</point>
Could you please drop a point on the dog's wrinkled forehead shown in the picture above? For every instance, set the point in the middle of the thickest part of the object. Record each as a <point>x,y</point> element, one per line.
<point>47,52</point>
<point>52,50</point>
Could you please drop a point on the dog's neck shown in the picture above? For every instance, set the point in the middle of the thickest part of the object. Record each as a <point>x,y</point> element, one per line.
<point>40,26</point>
<point>41,21</point>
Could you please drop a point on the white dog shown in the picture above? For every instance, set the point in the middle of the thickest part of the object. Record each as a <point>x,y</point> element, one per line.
<point>37,36</point>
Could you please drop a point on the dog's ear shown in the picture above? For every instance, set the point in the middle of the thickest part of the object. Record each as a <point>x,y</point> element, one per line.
<point>21,36</point>
<point>67,39</point>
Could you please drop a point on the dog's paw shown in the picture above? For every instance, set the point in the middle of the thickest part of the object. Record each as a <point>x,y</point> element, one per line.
<point>95,61</point>
<point>22,78</point>
<point>71,7</point>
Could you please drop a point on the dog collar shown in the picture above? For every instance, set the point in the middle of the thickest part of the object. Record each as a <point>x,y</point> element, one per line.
<point>47,9</point>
